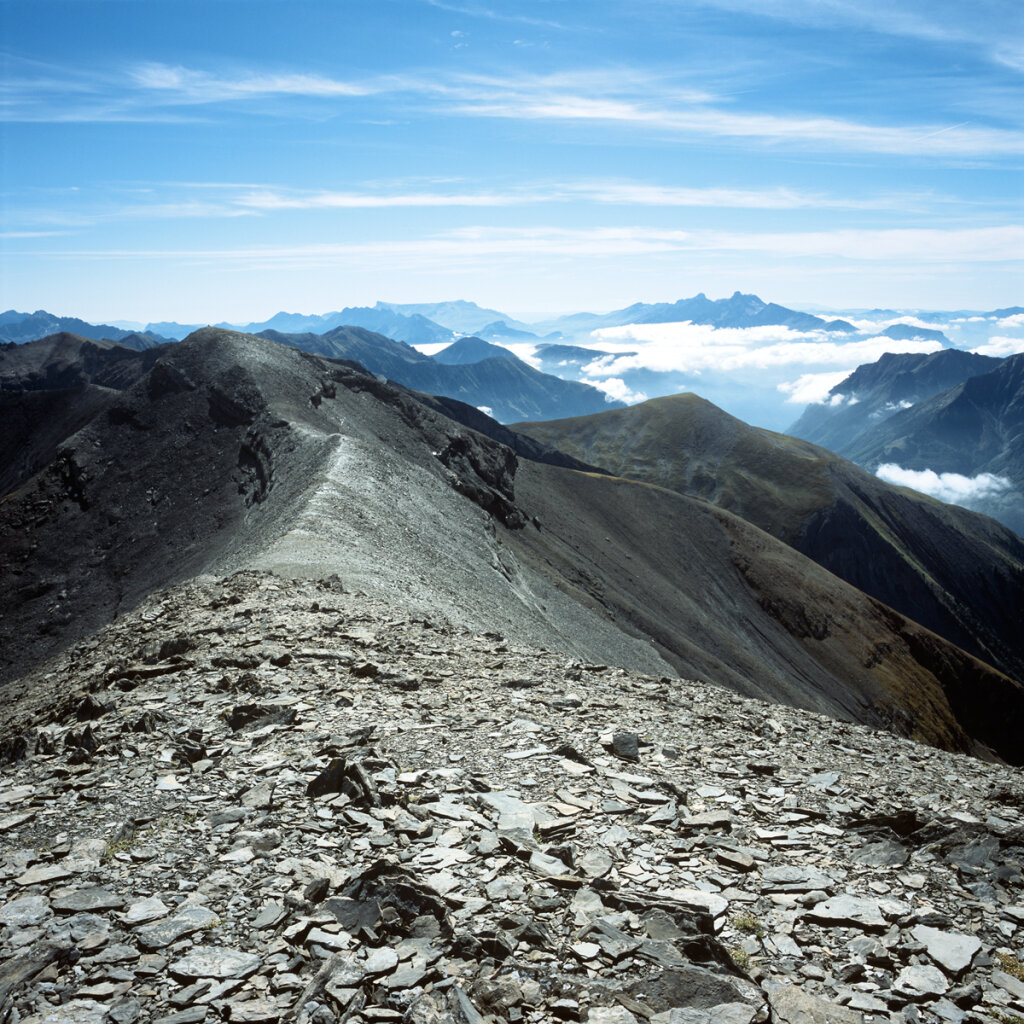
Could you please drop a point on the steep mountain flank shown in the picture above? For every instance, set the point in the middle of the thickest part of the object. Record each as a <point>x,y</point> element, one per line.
<point>509,388</point>
<point>876,391</point>
<point>234,452</point>
<point>68,360</point>
<point>960,574</point>
<point>975,429</point>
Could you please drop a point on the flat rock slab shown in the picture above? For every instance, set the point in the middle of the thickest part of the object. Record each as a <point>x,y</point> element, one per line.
<point>791,1005</point>
<point>790,878</point>
<point>144,911</point>
<point>43,873</point>
<point>921,982</point>
<point>25,912</point>
<point>163,933</point>
<point>512,812</point>
<point>380,961</point>
<point>848,912</point>
<point>724,1013</point>
<point>952,951</point>
<point>689,986</point>
<point>87,901</point>
<point>78,1011</point>
<point>216,962</point>
<point>885,854</point>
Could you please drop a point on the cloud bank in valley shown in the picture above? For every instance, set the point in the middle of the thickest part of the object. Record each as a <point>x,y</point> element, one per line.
<point>1000,347</point>
<point>814,388</point>
<point>691,348</point>
<point>952,487</point>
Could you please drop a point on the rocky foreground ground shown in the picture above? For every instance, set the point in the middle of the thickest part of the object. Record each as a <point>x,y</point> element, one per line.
<point>265,800</point>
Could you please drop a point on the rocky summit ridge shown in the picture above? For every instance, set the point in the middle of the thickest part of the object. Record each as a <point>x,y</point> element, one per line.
<point>261,799</point>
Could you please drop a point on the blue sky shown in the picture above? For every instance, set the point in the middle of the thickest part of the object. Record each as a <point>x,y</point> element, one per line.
<point>222,160</point>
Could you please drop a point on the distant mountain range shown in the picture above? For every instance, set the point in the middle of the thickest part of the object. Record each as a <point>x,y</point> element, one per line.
<point>739,310</point>
<point>949,412</point>
<point>22,327</point>
<point>235,452</point>
<point>506,387</point>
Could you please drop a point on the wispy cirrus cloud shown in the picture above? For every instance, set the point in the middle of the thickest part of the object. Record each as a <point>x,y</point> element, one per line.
<point>898,246</point>
<point>489,14</point>
<point>628,98</point>
<point>985,24</point>
<point>197,86</point>
<point>529,101</point>
<point>619,193</point>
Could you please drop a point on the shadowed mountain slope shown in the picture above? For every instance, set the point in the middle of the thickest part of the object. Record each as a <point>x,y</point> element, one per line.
<point>878,390</point>
<point>508,387</point>
<point>235,452</point>
<point>958,573</point>
<point>69,360</point>
<point>471,350</point>
<point>974,428</point>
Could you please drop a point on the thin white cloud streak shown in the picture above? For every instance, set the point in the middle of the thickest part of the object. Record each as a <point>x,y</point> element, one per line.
<point>639,194</point>
<point>985,23</point>
<point>951,487</point>
<point>617,194</point>
<point>814,388</point>
<point>488,14</point>
<point>535,103</point>
<point>1000,347</point>
<point>194,85</point>
<point>886,246</point>
<point>689,348</point>
<point>266,200</point>
<point>881,325</point>
<point>622,97</point>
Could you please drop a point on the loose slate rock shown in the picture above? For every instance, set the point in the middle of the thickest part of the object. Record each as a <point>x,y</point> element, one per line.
<point>791,1005</point>
<point>952,951</point>
<point>87,900</point>
<point>626,745</point>
<point>25,912</point>
<point>163,933</point>
<point>921,982</point>
<point>848,911</point>
<point>215,962</point>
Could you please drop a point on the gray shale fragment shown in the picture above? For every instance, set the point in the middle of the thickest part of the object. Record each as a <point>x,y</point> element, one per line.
<point>339,845</point>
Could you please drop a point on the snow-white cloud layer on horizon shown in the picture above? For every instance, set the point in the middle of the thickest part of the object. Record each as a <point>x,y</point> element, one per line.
<point>688,348</point>
<point>952,487</point>
<point>1000,347</point>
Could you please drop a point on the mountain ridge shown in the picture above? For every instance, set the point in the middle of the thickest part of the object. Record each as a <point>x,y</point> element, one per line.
<point>909,551</point>
<point>234,451</point>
